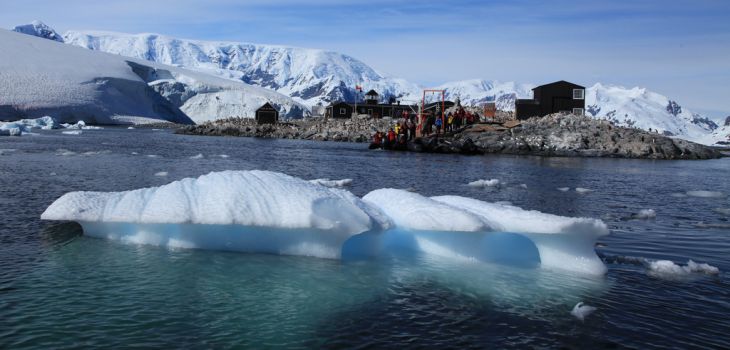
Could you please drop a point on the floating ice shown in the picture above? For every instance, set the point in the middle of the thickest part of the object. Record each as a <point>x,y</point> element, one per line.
<point>161,173</point>
<point>581,311</point>
<point>257,211</point>
<point>484,183</point>
<point>706,194</point>
<point>723,211</point>
<point>80,125</point>
<point>666,269</point>
<point>332,183</point>
<point>72,132</point>
<point>130,128</point>
<point>523,186</point>
<point>152,156</point>
<point>64,152</point>
<point>6,151</point>
<point>19,127</point>
<point>261,211</point>
<point>197,156</point>
<point>582,190</point>
<point>644,214</point>
<point>467,227</point>
<point>223,155</point>
<point>563,189</point>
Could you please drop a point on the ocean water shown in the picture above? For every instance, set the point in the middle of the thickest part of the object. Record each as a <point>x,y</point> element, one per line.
<point>60,289</point>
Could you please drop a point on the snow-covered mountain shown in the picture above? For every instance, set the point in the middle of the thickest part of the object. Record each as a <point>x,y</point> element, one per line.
<point>39,29</point>
<point>477,91</point>
<point>42,77</point>
<point>314,77</point>
<point>317,77</point>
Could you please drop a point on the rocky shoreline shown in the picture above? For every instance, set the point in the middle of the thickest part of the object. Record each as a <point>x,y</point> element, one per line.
<point>554,135</point>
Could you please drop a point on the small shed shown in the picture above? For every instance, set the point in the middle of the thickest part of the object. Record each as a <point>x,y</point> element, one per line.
<point>267,114</point>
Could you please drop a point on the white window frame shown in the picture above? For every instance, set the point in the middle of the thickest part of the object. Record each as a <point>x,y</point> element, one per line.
<point>343,110</point>
<point>582,94</point>
<point>578,111</point>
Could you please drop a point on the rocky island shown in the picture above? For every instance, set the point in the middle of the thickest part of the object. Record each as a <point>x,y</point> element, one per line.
<point>563,135</point>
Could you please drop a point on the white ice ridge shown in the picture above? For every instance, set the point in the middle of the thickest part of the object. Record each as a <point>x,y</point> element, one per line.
<point>561,242</point>
<point>332,183</point>
<point>268,212</point>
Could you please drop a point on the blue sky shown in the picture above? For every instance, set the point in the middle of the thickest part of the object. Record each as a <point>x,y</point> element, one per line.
<point>677,48</point>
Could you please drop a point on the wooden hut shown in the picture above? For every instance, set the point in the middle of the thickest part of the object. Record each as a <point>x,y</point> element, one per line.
<point>267,114</point>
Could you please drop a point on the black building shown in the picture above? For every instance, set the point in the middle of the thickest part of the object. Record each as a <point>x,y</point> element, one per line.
<point>267,114</point>
<point>369,106</point>
<point>560,96</point>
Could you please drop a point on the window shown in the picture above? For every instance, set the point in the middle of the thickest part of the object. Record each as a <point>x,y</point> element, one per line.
<point>343,111</point>
<point>578,111</point>
<point>578,94</point>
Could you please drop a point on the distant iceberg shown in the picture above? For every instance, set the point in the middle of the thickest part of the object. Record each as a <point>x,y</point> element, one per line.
<point>268,212</point>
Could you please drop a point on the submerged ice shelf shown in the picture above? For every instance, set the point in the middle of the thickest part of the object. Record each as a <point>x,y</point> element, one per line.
<point>268,212</point>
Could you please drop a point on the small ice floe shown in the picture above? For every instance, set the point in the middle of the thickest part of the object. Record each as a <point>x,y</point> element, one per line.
<point>332,183</point>
<point>93,153</point>
<point>152,156</point>
<point>6,151</point>
<point>563,189</point>
<point>706,194</point>
<point>581,311</point>
<point>64,152</point>
<point>130,128</point>
<point>723,211</point>
<point>711,225</point>
<point>80,125</point>
<point>582,190</point>
<point>223,155</point>
<point>53,173</point>
<point>522,186</point>
<point>197,156</point>
<point>72,132</point>
<point>484,183</point>
<point>161,173</point>
<point>644,214</point>
<point>668,270</point>
<point>134,153</point>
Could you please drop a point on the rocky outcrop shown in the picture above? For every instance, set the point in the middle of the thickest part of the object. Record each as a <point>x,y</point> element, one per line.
<point>553,135</point>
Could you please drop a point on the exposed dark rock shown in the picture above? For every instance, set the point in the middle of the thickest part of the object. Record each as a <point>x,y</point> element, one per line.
<point>553,135</point>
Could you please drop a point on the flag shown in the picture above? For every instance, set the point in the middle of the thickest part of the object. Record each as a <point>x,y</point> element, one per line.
<point>358,87</point>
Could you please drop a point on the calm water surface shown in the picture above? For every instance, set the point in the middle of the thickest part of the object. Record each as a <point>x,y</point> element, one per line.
<point>59,289</point>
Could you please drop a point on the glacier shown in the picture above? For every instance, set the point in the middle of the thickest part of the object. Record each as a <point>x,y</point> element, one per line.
<point>71,84</point>
<point>268,212</point>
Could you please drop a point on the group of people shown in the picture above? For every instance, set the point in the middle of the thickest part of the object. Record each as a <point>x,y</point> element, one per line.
<point>404,129</point>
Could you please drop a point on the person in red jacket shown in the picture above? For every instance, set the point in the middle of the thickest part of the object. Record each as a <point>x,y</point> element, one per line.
<point>391,136</point>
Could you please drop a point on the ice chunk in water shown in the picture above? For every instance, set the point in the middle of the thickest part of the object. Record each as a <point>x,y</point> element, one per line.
<point>666,269</point>
<point>332,183</point>
<point>248,210</point>
<point>484,183</point>
<point>581,311</point>
<point>706,194</point>
<point>261,211</point>
<point>563,243</point>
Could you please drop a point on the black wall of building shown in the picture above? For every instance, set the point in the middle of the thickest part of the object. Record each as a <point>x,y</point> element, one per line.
<point>551,98</point>
<point>267,115</point>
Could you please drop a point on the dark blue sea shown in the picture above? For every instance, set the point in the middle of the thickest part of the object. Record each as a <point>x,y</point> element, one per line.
<point>60,289</point>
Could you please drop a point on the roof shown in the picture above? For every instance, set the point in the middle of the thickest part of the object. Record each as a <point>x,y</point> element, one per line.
<point>560,82</point>
<point>266,106</point>
<point>372,92</point>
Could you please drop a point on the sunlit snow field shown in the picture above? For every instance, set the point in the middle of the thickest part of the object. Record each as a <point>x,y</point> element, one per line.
<point>60,289</point>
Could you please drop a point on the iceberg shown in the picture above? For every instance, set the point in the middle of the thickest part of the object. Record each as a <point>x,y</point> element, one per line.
<point>252,211</point>
<point>477,230</point>
<point>268,212</point>
<point>22,126</point>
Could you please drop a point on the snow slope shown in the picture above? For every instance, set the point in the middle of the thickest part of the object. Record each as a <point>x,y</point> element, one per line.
<point>71,84</point>
<point>478,91</point>
<point>314,77</point>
